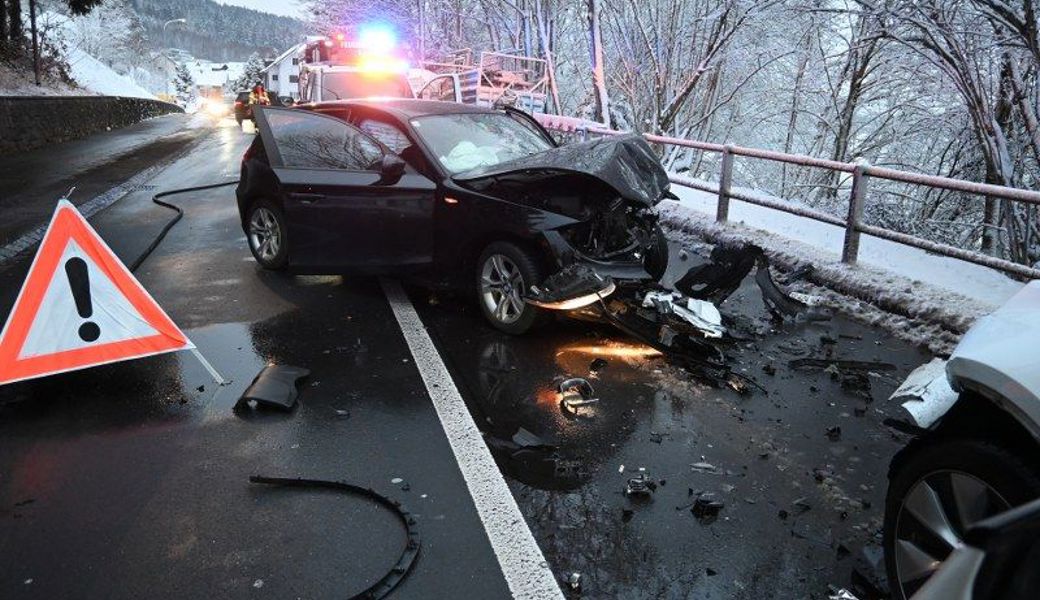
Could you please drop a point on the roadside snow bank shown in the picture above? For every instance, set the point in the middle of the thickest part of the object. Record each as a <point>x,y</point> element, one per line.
<point>927,299</point>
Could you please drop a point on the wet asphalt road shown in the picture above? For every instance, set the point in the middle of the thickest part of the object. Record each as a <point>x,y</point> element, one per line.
<point>130,479</point>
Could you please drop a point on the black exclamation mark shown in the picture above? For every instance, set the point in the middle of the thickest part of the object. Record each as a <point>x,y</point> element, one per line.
<point>79,281</point>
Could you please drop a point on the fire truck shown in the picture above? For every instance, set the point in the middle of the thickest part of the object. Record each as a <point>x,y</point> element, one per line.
<point>360,63</point>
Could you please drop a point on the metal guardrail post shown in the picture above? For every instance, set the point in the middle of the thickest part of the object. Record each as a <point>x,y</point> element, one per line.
<point>850,251</point>
<point>725,178</point>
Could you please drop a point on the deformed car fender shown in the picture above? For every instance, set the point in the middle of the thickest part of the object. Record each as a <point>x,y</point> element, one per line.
<point>997,359</point>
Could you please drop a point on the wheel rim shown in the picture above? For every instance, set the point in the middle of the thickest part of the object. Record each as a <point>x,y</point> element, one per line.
<point>932,520</point>
<point>501,288</point>
<point>265,235</point>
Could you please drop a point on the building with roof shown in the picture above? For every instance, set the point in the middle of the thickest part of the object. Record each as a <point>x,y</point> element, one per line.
<point>282,76</point>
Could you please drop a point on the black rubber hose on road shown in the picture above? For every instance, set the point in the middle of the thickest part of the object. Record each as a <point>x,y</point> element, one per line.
<point>400,569</point>
<point>404,564</point>
<point>180,213</point>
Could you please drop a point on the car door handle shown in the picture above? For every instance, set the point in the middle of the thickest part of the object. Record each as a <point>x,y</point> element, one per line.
<point>307,198</point>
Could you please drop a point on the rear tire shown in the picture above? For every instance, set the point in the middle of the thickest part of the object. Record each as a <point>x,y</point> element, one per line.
<point>266,234</point>
<point>656,260</point>
<point>505,272</point>
<point>988,479</point>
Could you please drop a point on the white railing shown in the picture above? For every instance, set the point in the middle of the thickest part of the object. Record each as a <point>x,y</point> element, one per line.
<point>861,175</point>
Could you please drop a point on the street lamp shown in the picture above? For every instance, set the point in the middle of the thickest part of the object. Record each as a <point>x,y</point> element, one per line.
<point>166,24</point>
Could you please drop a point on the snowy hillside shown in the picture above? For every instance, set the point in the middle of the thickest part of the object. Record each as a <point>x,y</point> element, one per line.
<point>93,76</point>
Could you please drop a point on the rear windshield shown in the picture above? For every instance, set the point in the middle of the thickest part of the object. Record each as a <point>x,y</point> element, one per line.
<point>342,86</point>
<point>242,97</point>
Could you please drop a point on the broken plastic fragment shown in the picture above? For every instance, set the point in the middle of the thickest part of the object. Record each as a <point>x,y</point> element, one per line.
<point>700,313</point>
<point>640,485</point>
<point>274,387</point>
<point>573,287</point>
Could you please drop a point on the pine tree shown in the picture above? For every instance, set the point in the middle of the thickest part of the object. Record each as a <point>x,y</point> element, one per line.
<point>184,84</point>
<point>253,74</point>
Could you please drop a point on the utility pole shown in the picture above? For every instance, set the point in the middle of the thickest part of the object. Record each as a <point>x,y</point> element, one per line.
<point>35,41</point>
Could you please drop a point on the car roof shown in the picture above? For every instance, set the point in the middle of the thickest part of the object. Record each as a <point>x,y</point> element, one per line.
<point>407,108</point>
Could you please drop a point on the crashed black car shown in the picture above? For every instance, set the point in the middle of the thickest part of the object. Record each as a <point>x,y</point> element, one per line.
<point>473,197</point>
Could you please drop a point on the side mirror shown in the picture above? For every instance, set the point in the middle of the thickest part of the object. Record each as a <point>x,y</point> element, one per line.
<point>390,169</point>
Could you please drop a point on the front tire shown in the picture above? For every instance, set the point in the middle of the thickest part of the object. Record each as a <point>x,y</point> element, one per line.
<point>656,260</point>
<point>940,488</point>
<point>504,273</point>
<point>266,232</point>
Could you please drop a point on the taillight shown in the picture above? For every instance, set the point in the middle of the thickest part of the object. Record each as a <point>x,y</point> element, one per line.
<point>238,103</point>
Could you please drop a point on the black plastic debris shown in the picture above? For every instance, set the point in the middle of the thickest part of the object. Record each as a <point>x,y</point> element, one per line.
<point>575,394</point>
<point>400,569</point>
<point>574,582</point>
<point>574,286</point>
<point>640,485</point>
<point>706,506</point>
<point>841,365</point>
<point>274,387</point>
<point>597,365</point>
<point>834,433</point>
<point>718,279</point>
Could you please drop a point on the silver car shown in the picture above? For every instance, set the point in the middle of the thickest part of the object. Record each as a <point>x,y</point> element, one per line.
<point>976,456</point>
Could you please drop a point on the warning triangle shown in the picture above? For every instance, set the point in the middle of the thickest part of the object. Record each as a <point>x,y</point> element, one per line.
<point>80,307</point>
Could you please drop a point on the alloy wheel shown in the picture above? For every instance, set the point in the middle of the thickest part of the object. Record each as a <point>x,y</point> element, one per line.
<point>932,519</point>
<point>265,234</point>
<point>501,288</point>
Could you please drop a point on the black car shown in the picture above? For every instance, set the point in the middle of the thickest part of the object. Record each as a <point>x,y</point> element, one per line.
<point>242,109</point>
<point>474,197</point>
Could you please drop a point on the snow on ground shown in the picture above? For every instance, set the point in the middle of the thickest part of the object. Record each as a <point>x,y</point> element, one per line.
<point>925,298</point>
<point>96,77</point>
<point>21,82</point>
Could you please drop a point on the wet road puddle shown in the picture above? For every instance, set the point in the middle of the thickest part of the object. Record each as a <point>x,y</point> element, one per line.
<point>799,470</point>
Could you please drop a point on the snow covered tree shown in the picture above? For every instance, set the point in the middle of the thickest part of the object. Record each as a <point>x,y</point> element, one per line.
<point>253,73</point>
<point>184,84</point>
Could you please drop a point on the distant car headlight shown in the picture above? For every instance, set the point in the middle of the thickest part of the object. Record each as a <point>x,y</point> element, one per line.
<point>215,108</point>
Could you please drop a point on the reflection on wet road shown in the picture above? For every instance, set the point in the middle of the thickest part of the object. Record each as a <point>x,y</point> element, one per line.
<point>802,499</point>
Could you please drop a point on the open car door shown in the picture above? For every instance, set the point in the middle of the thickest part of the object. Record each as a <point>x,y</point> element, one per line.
<point>350,203</point>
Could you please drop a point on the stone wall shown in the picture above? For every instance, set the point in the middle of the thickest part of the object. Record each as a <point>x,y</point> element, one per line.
<point>28,122</point>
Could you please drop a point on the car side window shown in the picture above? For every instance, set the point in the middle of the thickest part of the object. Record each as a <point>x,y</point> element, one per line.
<point>390,136</point>
<point>306,140</point>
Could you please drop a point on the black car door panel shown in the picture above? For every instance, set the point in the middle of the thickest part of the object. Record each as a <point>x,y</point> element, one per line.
<point>342,213</point>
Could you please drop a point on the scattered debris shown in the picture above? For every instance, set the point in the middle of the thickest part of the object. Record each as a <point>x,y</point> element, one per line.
<point>597,365</point>
<point>626,514</point>
<point>717,279</point>
<point>274,387</point>
<point>640,485</point>
<point>710,572</point>
<point>575,393</point>
<point>769,369</point>
<point>705,467</point>
<point>834,433</point>
<point>834,593</point>
<point>703,315</point>
<point>574,582</point>
<point>841,365</point>
<point>573,287</point>
<point>706,506</point>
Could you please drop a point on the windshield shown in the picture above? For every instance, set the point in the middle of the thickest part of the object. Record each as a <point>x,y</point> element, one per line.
<point>346,85</point>
<point>467,141</point>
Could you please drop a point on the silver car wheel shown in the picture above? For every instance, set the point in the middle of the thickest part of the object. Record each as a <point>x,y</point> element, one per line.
<point>932,519</point>
<point>501,288</point>
<point>265,234</point>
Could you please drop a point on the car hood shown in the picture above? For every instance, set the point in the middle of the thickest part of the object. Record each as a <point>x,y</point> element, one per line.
<point>625,163</point>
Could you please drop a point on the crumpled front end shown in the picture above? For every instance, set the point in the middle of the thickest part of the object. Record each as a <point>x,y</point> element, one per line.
<point>609,186</point>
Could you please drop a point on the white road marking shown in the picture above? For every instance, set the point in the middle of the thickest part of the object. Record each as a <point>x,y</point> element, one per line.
<point>87,209</point>
<point>526,572</point>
